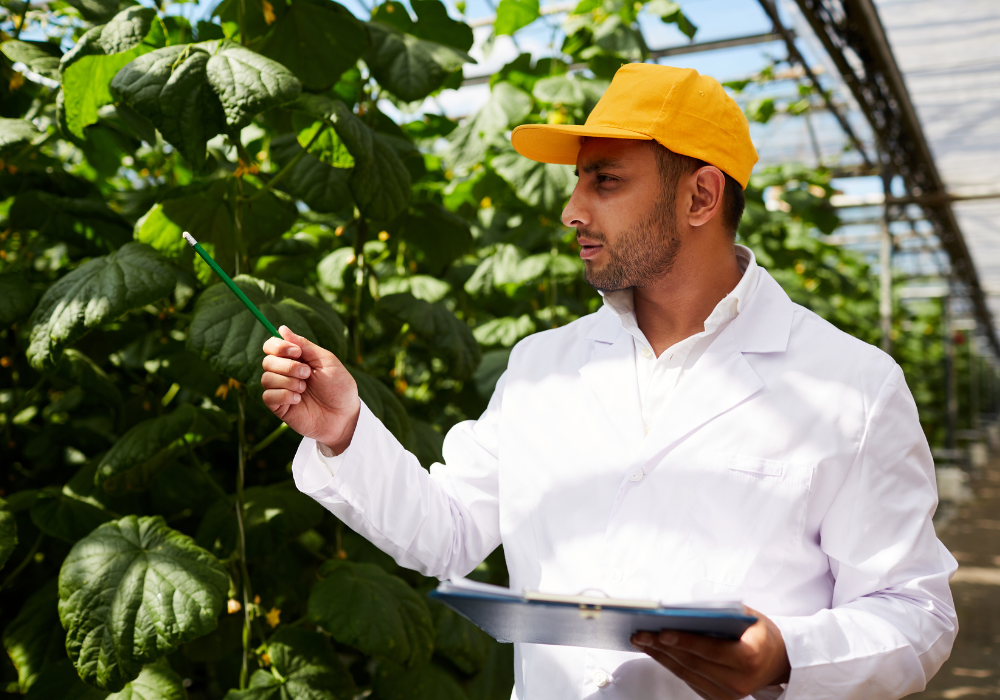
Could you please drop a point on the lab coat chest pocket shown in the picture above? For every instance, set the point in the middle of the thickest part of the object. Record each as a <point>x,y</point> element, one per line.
<point>746,514</point>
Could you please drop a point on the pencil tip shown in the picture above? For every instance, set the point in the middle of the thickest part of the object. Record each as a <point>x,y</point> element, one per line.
<point>189,238</point>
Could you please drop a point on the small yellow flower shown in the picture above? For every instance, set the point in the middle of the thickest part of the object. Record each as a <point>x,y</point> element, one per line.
<point>16,81</point>
<point>383,236</point>
<point>256,600</point>
<point>265,659</point>
<point>233,606</point>
<point>6,361</point>
<point>273,617</point>
<point>486,203</point>
<point>268,13</point>
<point>242,169</point>
<point>339,231</point>
<point>800,268</point>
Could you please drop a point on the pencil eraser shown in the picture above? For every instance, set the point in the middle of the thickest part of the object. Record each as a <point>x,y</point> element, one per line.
<point>189,238</point>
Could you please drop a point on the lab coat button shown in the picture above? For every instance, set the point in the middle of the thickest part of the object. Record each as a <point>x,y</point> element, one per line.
<point>637,474</point>
<point>647,353</point>
<point>615,576</point>
<point>601,679</point>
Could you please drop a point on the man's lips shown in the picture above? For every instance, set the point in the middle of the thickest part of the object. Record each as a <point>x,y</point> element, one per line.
<point>588,249</point>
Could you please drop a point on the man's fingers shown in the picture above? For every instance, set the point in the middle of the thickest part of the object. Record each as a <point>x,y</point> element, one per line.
<point>310,350</point>
<point>720,651</point>
<point>274,398</point>
<point>725,677</point>
<point>698,683</point>
<point>290,368</point>
<point>282,348</point>
<point>270,380</point>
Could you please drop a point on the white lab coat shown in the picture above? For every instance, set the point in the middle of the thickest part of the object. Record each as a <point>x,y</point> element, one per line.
<point>789,470</point>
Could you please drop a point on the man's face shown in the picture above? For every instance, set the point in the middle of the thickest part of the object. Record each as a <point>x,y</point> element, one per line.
<point>623,214</point>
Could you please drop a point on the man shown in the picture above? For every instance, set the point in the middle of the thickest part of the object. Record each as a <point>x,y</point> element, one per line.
<point>699,437</point>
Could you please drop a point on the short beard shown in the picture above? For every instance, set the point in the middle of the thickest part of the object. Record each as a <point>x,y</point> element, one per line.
<point>642,254</point>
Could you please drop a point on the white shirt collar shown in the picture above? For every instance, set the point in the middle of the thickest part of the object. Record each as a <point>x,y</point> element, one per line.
<point>622,301</point>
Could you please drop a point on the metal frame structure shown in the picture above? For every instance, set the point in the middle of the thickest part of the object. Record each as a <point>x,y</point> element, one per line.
<point>853,37</point>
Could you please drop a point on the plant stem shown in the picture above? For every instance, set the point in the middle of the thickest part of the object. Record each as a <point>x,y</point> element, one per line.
<point>361,233</point>
<point>243,24</point>
<point>275,434</point>
<point>24,562</point>
<point>240,504</point>
<point>287,168</point>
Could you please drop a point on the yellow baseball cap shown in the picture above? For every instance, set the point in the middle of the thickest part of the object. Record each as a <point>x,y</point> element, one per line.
<point>688,113</point>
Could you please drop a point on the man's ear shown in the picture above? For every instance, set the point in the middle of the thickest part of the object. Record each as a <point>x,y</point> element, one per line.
<point>709,189</point>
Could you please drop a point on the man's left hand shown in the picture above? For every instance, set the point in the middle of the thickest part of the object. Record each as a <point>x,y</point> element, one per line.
<point>720,669</point>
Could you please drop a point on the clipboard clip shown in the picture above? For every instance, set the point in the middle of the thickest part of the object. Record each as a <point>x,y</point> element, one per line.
<point>590,612</point>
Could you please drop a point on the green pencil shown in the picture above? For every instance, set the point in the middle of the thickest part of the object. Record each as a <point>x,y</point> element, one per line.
<point>229,283</point>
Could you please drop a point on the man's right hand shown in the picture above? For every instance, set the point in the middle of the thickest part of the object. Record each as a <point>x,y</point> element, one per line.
<point>308,388</point>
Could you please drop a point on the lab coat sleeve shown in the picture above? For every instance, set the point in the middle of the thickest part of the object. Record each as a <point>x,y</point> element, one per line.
<point>442,523</point>
<point>892,622</point>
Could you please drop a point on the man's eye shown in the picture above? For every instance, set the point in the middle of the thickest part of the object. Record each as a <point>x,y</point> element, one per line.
<point>605,178</point>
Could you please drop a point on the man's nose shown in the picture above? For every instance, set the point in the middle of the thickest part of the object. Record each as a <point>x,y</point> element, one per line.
<point>574,213</point>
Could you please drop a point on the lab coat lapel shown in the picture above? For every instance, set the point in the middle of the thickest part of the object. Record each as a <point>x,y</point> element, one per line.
<point>719,380</point>
<point>611,377</point>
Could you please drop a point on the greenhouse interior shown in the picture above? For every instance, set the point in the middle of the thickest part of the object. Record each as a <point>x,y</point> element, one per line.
<point>350,165</point>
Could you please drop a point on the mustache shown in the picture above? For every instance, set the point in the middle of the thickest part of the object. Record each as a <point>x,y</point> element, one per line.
<point>593,235</point>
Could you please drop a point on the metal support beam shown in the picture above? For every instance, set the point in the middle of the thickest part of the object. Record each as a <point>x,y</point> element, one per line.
<point>853,36</point>
<point>885,267</point>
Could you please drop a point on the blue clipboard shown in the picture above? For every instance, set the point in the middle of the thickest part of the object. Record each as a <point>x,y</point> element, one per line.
<point>594,624</point>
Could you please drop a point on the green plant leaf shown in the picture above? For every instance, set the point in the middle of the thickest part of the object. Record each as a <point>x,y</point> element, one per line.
<point>87,68</point>
<point>66,518</point>
<point>317,40</point>
<point>147,447</point>
<point>79,369</point>
<point>670,12</point>
<point>34,639</point>
<point>438,235</point>
<point>383,404</point>
<point>88,221</point>
<point>224,332</point>
<point>95,10</point>
<point>17,298</point>
<point>8,532</point>
<point>409,67</point>
<point>559,90</point>
<point>487,374</point>
<point>443,333</point>
<point>423,287</point>
<point>471,141</point>
<point>98,291</point>
<point>15,131</point>
<point>193,92</point>
<point>425,443</point>
<point>60,682</point>
<point>428,682</point>
<point>133,591</point>
<point>206,211</point>
<point>322,187</point>
<point>273,515</point>
<point>505,331</point>
<point>156,682</point>
<point>304,667</point>
<point>515,14</point>
<point>376,613</point>
<point>458,640</point>
<point>332,267</point>
<point>42,57</point>
<point>546,186</point>
<point>434,24</point>
<point>496,681</point>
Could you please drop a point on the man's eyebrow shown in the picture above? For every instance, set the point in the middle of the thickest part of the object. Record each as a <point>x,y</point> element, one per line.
<point>595,165</point>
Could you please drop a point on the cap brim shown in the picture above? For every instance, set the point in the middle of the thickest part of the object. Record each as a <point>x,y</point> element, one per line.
<point>560,143</point>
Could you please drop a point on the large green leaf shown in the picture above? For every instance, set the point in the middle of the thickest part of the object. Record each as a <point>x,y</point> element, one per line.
<point>195,91</point>
<point>560,90</point>
<point>133,591</point>
<point>439,236</point>
<point>88,221</point>
<point>496,680</point>
<point>98,291</point>
<point>379,182</point>
<point>95,10</point>
<point>34,639</point>
<point>60,682</point>
<point>8,532</point>
<point>147,447</point>
<point>224,332</point>
<point>156,682</point>
<point>376,613</point>
<point>322,187</point>
<point>434,24</point>
<point>505,330</point>
<point>487,374</point>
<point>546,186</point>
<point>425,443</point>
<point>42,57</point>
<point>428,682</point>
<point>515,14</point>
<point>15,131</point>
<point>100,53</point>
<point>17,298</point>
<point>471,141</point>
<point>303,667</point>
<point>80,369</point>
<point>458,640</point>
<point>383,404</point>
<point>59,515</point>
<point>670,12</point>
<point>409,67</point>
<point>273,515</point>
<point>317,40</point>
<point>206,211</point>
<point>439,328</point>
